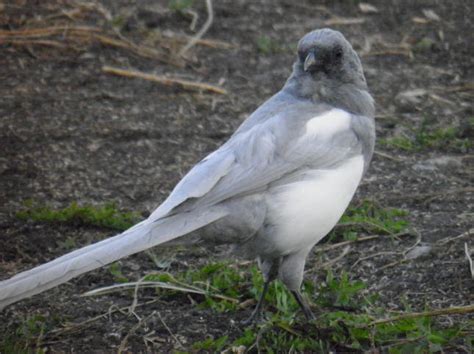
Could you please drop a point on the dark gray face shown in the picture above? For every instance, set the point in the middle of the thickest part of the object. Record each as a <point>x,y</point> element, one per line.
<point>326,54</point>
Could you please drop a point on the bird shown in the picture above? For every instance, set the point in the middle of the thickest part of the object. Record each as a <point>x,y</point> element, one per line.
<point>273,190</point>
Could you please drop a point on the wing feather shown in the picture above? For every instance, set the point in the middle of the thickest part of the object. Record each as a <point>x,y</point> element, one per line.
<point>260,156</point>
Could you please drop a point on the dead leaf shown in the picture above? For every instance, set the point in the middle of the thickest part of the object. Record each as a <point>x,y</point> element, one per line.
<point>431,15</point>
<point>367,8</point>
<point>420,20</point>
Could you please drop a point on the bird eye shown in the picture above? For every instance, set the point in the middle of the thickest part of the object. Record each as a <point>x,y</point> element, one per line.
<point>338,52</point>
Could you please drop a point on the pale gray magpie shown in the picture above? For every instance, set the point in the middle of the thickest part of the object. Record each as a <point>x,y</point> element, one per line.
<point>273,190</point>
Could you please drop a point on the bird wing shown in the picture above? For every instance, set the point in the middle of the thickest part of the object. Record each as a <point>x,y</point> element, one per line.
<point>300,135</point>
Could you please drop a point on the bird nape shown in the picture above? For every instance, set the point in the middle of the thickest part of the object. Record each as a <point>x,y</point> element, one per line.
<point>273,190</point>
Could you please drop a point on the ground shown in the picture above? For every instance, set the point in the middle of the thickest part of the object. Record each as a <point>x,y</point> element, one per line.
<point>72,133</point>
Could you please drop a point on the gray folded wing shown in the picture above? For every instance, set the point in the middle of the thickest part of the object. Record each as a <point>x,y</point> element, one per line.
<point>261,155</point>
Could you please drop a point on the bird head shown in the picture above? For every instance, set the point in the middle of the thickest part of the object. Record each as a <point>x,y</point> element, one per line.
<point>325,54</point>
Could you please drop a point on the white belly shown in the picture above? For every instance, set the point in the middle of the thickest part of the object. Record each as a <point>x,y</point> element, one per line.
<point>303,212</point>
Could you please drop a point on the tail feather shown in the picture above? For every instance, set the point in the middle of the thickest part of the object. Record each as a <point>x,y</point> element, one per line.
<point>140,237</point>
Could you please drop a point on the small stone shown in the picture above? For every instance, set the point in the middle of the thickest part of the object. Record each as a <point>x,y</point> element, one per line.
<point>419,251</point>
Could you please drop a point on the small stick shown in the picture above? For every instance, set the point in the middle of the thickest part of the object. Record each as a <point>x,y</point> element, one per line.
<point>360,239</point>
<point>387,156</point>
<point>421,196</point>
<point>329,263</point>
<point>344,21</point>
<point>169,331</point>
<point>211,43</point>
<point>457,310</point>
<point>168,81</point>
<point>156,284</point>
<point>466,87</point>
<point>133,330</point>
<point>202,31</point>
<point>45,42</point>
<point>75,326</point>
<point>146,52</point>
<point>345,243</point>
<point>82,33</point>
<point>47,31</point>
<point>451,239</point>
<point>469,259</point>
<point>374,255</point>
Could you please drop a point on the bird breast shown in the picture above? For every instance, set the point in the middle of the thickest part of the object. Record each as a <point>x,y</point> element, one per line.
<point>304,211</point>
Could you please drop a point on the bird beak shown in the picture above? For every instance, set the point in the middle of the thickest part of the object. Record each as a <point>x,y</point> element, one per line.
<point>309,61</point>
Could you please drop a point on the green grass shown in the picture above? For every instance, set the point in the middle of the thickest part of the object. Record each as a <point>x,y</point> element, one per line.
<point>180,5</point>
<point>345,312</point>
<point>211,344</point>
<point>344,322</point>
<point>345,309</point>
<point>116,270</point>
<point>369,217</point>
<point>24,335</point>
<point>106,216</point>
<point>267,46</point>
<point>215,278</point>
<point>425,138</point>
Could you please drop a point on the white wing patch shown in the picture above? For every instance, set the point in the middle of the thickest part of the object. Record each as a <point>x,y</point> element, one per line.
<point>329,123</point>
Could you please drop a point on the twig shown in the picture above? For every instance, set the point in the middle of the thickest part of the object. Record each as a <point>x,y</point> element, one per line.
<point>403,253</point>
<point>202,31</point>
<point>385,253</point>
<point>194,18</point>
<point>48,31</point>
<point>466,87</point>
<point>44,42</point>
<point>441,99</point>
<point>451,239</point>
<point>135,295</point>
<point>157,284</point>
<point>169,331</point>
<point>459,310</point>
<point>76,326</point>
<point>211,43</point>
<point>345,243</point>
<point>343,21</point>
<point>421,196</point>
<point>86,33</point>
<point>469,259</point>
<point>133,330</point>
<point>378,254</point>
<point>334,260</point>
<point>168,81</point>
<point>387,156</point>
<point>393,264</point>
<point>360,239</point>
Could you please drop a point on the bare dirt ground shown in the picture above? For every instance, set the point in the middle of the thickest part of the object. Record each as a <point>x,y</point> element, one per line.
<point>69,132</point>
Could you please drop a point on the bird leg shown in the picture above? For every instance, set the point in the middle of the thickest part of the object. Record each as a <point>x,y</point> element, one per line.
<point>304,305</point>
<point>257,312</point>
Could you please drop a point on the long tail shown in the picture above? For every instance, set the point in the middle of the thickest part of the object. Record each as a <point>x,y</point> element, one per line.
<point>138,238</point>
